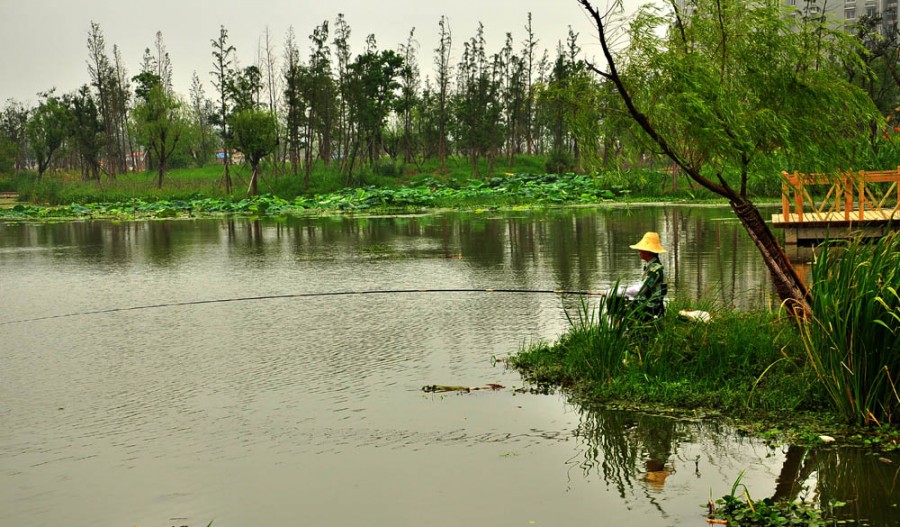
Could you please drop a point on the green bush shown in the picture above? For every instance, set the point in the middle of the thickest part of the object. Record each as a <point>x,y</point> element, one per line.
<point>559,163</point>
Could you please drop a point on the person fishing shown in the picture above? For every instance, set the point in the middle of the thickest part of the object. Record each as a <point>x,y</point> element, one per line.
<point>646,299</point>
<point>652,294</point>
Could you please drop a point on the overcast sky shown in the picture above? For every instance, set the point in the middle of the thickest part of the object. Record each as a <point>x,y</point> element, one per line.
<point>43,42</point>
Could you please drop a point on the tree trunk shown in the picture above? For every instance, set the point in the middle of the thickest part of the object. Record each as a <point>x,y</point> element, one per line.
<point>160,171</point>
<point>254,180</point>
<point>790,288</point>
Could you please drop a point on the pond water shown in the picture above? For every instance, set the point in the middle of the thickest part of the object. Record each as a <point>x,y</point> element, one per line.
<point>309,411</point>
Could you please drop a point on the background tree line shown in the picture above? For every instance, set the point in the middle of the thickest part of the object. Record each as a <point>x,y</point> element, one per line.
<point>390,111</point>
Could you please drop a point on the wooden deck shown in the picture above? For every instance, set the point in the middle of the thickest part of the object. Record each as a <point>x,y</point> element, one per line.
<point>817,206</point>
<point>836,219</point>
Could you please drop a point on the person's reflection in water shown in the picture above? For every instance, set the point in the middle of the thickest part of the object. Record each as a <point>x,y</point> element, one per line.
<point>657,439</point>
<point>629,450</point>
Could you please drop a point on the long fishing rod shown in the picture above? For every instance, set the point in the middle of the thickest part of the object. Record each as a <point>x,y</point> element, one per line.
<point>306,295</point>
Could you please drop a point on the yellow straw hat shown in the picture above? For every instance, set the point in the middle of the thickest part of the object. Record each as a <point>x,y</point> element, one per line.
<point>650,243</point>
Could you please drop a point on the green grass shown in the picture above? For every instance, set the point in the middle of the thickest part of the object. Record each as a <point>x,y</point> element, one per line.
<point>740,362</point>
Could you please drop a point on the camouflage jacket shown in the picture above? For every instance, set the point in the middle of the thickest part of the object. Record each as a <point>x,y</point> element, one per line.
<point>653,286</point>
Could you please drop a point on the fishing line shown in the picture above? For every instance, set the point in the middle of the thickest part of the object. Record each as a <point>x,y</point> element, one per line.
<point>303,295</point>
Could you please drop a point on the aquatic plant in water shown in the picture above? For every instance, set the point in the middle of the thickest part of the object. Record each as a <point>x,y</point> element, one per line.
<point>731,509</point>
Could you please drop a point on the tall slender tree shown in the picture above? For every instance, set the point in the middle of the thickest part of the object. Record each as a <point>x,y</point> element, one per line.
<point>373,85</point>
<point>320,90</point>
<point>102,78</point>
<point>121,103</point>
<point>443,75</point>
<point>409,91</point>
<point>223,70</point>
<point>478,110</point>
<point>87,131</point>
<point>528,59</point>
<point>295,103</point>
<point>202,109</point>
<point>341,43</point>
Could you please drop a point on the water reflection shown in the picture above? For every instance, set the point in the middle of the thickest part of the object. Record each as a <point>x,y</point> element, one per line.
<point>710,255</point>
<point>638,454</point>
<point>261,412</point>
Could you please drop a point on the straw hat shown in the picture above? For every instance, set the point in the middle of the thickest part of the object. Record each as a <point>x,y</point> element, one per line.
<point>649,243</point>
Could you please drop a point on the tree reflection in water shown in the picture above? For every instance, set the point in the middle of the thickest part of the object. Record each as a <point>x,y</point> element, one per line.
<point>868,483</point>
<point>636,453</point>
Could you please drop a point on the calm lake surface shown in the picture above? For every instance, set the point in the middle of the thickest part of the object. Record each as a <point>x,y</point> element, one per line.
<point>309,411</point>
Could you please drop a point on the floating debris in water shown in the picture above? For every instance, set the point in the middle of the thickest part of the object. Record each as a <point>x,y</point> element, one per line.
<point>440,388</point>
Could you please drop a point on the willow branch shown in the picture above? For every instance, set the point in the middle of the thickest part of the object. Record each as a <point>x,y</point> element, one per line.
<point>641,119</point>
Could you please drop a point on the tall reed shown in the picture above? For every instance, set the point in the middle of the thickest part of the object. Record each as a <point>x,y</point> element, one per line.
<point>853,337</point>
<point>593,350</point>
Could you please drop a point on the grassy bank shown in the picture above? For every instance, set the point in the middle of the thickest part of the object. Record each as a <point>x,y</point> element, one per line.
<point>839,368</point>
<point>61,188</point>
<point>738,363</point>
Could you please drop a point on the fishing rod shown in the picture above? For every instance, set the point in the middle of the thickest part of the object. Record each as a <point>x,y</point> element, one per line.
<point>307,295</point>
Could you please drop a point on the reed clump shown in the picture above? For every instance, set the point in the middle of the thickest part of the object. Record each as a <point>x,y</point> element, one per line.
<point>853,337</point>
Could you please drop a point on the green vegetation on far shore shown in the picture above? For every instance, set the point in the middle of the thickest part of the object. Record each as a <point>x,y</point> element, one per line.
<point>192,192</point>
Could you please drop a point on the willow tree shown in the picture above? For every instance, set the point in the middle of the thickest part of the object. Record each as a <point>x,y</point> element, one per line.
<point>732,85</point>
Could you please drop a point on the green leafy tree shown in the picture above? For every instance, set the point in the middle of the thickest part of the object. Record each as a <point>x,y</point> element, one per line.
<point>160,119</point>
<point>341,43</point>
<point>477,106</point>
<point>87,131</point>
<point>373,89</point>
<point>571,102</point>
<point>320,92</point>
<point>443,74</point>
<point>730,86</point>
<point>202,110</point>
<point>47,129</point>
<point>294,101</point>
<point>409,93</point>
<point>105,80</point>
<point>880,47</point>
<point>256,136</point>
<point>245,88</point>
<point>13,138</point>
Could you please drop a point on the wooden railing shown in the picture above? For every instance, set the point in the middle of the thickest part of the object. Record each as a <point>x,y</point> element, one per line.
<point>852,196</point>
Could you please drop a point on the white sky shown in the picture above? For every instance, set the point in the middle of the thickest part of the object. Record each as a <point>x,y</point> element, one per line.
<point>43,42</point>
